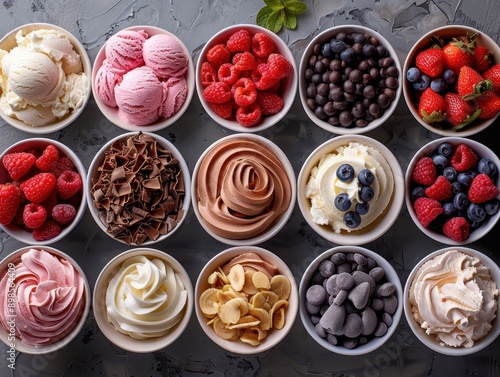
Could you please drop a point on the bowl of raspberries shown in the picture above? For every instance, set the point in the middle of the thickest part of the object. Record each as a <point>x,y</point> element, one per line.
<point>452,190</point>
<point>246,78</point>
<point>452,80</point>
<point>41,194</point>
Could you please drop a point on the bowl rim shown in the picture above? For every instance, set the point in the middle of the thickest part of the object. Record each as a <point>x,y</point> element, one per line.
<point>45,349</point>
<point>489,338</point>
<point>124,341</point>
<point>279,223</point>
<point>291,312</point>
<point>284,50</point>
<point>99,157</point>
<point>86,67</point>
<point>302,83</point>
<point>66,151</point>
<point>373,344</point>
<point>111,114</point>
<point>395,205</point>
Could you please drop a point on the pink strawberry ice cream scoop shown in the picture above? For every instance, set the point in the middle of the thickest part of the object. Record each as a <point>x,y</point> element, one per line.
<point>165,55</point>
<point>175,93</point>
<point>106,80</point>
<point>139,96</point>
<point>49,297</point>
<point>124,49</point>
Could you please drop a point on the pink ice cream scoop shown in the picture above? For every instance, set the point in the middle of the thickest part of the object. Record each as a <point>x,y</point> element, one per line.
<point>105,81</point>
<point>175,93</point>
<point>165,56</point>
<point>124,49</point>
<point>139,96</point>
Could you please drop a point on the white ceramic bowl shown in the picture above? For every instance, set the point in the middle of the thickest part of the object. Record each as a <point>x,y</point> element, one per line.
<point>288,87</point>
<point>428,150</point>
<point>273,228</point>
<point>446,33</point>
<point>111,113</point>
<point>9,41</point>
<point>93,174</point>
<point>20,346</point>
<point>39,144</point>
<point>429,340</point>
<point>325,36</point>
<point>382,223</point>
<point>274,336</point>
<point>390,276</point>
<point>125,341</point>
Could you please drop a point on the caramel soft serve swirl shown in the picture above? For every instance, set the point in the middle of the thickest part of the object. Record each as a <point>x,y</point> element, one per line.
<point>242,188</point>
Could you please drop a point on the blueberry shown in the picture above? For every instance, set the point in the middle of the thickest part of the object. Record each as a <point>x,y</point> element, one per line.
<point>491,206</point>
<point>337,45</point>
<point>366,177</point>
<point>460,201</point>
<point>366,193</point>
<point>449,76</point>
<point>352,219</point>
<point>487,166</point>
<point>413,74</point>
<point>445,149</point>
<point>342,202</point>
<point>440,161</point>
<point>422,84</point>
<point>438,85</point>
<point>347,55</point>
<point>450,173</point>
<point>417,192</point>
<point>456,187</point>
<point>465,178</point>
<point>326,50</point>
<point>345,173</point>
<point>449,209</point>
<point>362,208</point>
<point>476,212</point>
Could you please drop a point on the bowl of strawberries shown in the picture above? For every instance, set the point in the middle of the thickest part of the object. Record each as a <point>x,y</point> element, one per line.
<point>41,191</point>
<point>452,80</point>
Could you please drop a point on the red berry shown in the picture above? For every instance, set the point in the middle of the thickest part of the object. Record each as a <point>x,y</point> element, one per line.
<point>244,92</point>
<point>208,74</point>
<point>64,163</point>
<point>244,61</point>
<point>463,158</point>
<point>249,116</point>
<point>50,202</point>
<point>224,110</point>
<point>427,209</point>
<point>493,74</point>
<point>262,80</point>
<point>270,103</point>
<point>48,159</point>
<point>470,84</point>
<point>482,189</point>
<point>228,74</point>
<point>459,112</point>
<point>431,107</point>
<point>63,213</point>
<point>440,189</point>
<point>430,61</point>
<point>47,231</point>
<point>218,55</point>
<point>38,188</point>
<point>279,66</point>
<point>456,228</point>
<point>458,53</point>
<point>424,172</point>
<point>68,184</point>
<point>34,215</point>
<point>217,92</point>
<point>262,45</point>
<point>10,198</point>
<point>481,59</point>
<point>489,104</point>
<point>18,164</point>
<point>239,41</point>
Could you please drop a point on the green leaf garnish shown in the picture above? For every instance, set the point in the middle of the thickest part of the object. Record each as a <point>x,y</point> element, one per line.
<point>294,6</point>
<point>278,13</point>
<point>274,4</point>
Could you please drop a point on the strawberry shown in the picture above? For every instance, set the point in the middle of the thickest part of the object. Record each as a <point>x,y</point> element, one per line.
<point>458,52</point>
<point>270,103</point>
<point>47,231</point>
<point>440,189</point>
<point>459,112</point>
<point>470,84</point>
<point>427,209</point>
<point>63,213</point>
<point>424,172</point>
<point>38,188</point>
<point>218,55</point>
<point>244,61</point>
<point>208,74</point>
<point>456,228</point>
<point>489,104</point>
<point>493,74</point>
<point>239,41</point>
<point>463,158</point>
<point>68,184</point>
<point>48,159</point>
<point>18,163</point>
<point>279,66</point>
<point>262,45</point>
<point>228,74</point>
<point>431,107</point>
<point>249,116</point>
<point>430,61</point>
<point>34,215</point>
<point>224,110</point>
<point>10,198</point>
<point>217,92</point>
<point>481,59</point>
<point>482,189</point>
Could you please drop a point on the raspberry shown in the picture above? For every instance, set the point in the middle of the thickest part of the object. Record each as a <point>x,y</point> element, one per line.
<point>63,213</point>
<point>463,158</point>
<point>456,228</point>
<point>218,55</point>
<point>482,189</point>
<point>262,45</point>
<point>208,74</point>
<point>227,73</point>
<point>10,198</point>
<point>47,231</point>
<point>244,92</point>
<point>244,61</point>
<point>48,159</point>
<point>38,188</point>
<point>424,172</point>
<point>18,164</point>
<point>50,202</point>
<point>224,110</point>
<point>279,66</point>
<point>239,41</point>
<point>64,163</point>
<point>217,92</point>
<point>440,189</point>
<point>34,215</point>
<point>270,103</point>
<point>261,78</point>
<point>248,116</point>
<point>427,210</point>
<point>68,184</point>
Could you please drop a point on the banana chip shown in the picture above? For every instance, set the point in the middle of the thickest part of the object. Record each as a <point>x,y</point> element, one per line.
<point>249,288</point>
<point>281,286</point>
<point>236,277</point>
<point>209,302</point>
<point>261,281</point>
<point>222,331</point>
<point>279,318</point>
<point>245,322</point>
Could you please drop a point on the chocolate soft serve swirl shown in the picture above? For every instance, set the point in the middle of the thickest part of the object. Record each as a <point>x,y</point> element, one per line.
<point>242,188</point>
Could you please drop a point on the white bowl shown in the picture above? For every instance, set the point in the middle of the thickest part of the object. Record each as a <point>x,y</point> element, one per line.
<point>93,173</point>
<point>273,228</point>
<point>446,33</point>
<point>19,345</point>
<point>111,113</point>
<point>382,223</point>
<point>429,340</point>
<point>390,276</point>
<point>287,92</point>
<point>39,144</point>
<point>9,41</point>
<point>304,63</point>
<point>274,336</point>
<point>125,341</point>
<point>428,150</point>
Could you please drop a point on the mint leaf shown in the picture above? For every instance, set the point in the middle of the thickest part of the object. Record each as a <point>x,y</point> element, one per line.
<point>290,21</point>
<point>294,6</point>
<point>274,4</point>
<point>278,13</point>
<point>275,20</point>
<point>263,16</point>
